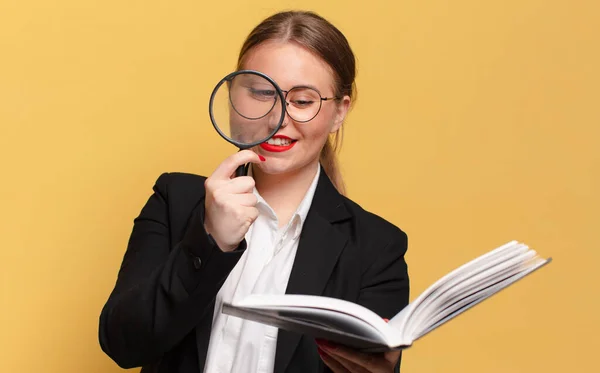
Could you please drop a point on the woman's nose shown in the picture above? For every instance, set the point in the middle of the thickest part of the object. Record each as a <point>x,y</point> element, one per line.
<point>276,117</point>
<point>286,118</point>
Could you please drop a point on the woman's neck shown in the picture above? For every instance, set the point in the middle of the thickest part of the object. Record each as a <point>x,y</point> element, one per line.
<point>284,192</point>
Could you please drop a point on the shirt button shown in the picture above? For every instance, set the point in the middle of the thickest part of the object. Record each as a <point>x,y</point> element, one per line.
<point>197,262</point>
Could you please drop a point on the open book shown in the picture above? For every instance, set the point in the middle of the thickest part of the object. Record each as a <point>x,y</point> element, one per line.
<point>355,326</point>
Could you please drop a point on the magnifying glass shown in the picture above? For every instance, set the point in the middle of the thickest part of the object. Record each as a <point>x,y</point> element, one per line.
<point>247,108</point>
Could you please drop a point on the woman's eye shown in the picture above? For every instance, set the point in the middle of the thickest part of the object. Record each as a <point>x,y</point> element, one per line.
<point>302,103</point>
<point>262,93</point>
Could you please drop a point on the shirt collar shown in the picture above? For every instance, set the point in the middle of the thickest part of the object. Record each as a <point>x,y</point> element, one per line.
<point>297,220</point>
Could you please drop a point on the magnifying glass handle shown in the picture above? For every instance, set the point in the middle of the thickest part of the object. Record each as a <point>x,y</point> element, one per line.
<point>241,171</point>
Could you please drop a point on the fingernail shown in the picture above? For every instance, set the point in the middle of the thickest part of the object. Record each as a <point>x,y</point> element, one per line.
<point>262,158</point>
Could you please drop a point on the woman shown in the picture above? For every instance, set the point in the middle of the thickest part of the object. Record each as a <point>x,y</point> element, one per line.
<point>286,228</point>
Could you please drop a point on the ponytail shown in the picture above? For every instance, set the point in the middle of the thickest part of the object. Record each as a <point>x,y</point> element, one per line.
<point>329,161</point>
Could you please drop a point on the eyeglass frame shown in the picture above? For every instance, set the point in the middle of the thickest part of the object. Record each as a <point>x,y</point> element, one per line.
<point>320,101</point>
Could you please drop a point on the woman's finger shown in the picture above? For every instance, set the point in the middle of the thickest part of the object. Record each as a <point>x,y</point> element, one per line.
<point>231,163</point>
<point>393,356</point>
<point>245,199</point>
<point>351,366</point>
<point>241,184</point>
<point>332,363</point>
<point>356,361</point>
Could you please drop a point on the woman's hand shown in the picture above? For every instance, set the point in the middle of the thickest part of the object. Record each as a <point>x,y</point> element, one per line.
<point>230,205</point>
<point>346,360</point>
<point>342,359</point>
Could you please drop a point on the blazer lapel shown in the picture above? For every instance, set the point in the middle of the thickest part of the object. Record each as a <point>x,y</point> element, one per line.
<point>318,251</point>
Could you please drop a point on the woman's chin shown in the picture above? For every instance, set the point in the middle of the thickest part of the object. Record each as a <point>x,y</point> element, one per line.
<point>278,166</point>
<point>273,167</point>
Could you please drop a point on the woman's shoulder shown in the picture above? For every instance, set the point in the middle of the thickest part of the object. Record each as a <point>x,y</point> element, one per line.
<point>180,185</point>
<point>374,226</point>
<point>181,179</point>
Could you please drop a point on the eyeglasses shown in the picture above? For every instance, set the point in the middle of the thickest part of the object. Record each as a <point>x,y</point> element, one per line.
<point>254,100</point>
<point>303,103</point>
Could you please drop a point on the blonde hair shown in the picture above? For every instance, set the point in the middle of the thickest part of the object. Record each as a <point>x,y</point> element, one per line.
<point>318,35</point>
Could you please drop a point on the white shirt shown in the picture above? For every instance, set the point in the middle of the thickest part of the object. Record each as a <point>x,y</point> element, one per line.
<point>237,345</point>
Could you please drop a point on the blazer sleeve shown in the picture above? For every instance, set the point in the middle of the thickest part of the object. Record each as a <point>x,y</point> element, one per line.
<point>161,292</point>
<point>385,282</point>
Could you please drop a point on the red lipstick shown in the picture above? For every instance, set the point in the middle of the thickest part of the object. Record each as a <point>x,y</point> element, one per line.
<point>278,148</point>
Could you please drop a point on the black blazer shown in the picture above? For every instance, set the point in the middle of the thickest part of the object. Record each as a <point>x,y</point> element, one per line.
<point>159,315</point>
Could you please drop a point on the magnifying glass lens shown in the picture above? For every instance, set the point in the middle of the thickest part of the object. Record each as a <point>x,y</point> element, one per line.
<point>246,109</point>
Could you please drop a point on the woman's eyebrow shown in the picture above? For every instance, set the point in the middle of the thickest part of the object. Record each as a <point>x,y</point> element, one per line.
<point>305,86</point>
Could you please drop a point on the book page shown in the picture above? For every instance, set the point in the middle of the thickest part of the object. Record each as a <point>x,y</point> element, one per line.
<point>468,271</point>
<point>316,327</point>
<point>471,287</point>
<point>480,297</point>
<point>399,321</point>
<point>332,312</point>
<point>502,267</point>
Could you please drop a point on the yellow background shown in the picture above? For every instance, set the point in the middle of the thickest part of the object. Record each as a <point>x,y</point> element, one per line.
<point>477,122</point>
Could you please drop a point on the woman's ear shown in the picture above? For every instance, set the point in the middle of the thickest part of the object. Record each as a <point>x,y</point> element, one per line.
<point>341,111</point>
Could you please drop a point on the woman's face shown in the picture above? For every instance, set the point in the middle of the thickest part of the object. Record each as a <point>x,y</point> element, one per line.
<point>297,145</point>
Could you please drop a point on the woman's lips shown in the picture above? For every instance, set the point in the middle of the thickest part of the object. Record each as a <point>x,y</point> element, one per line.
<point>276,148</point>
